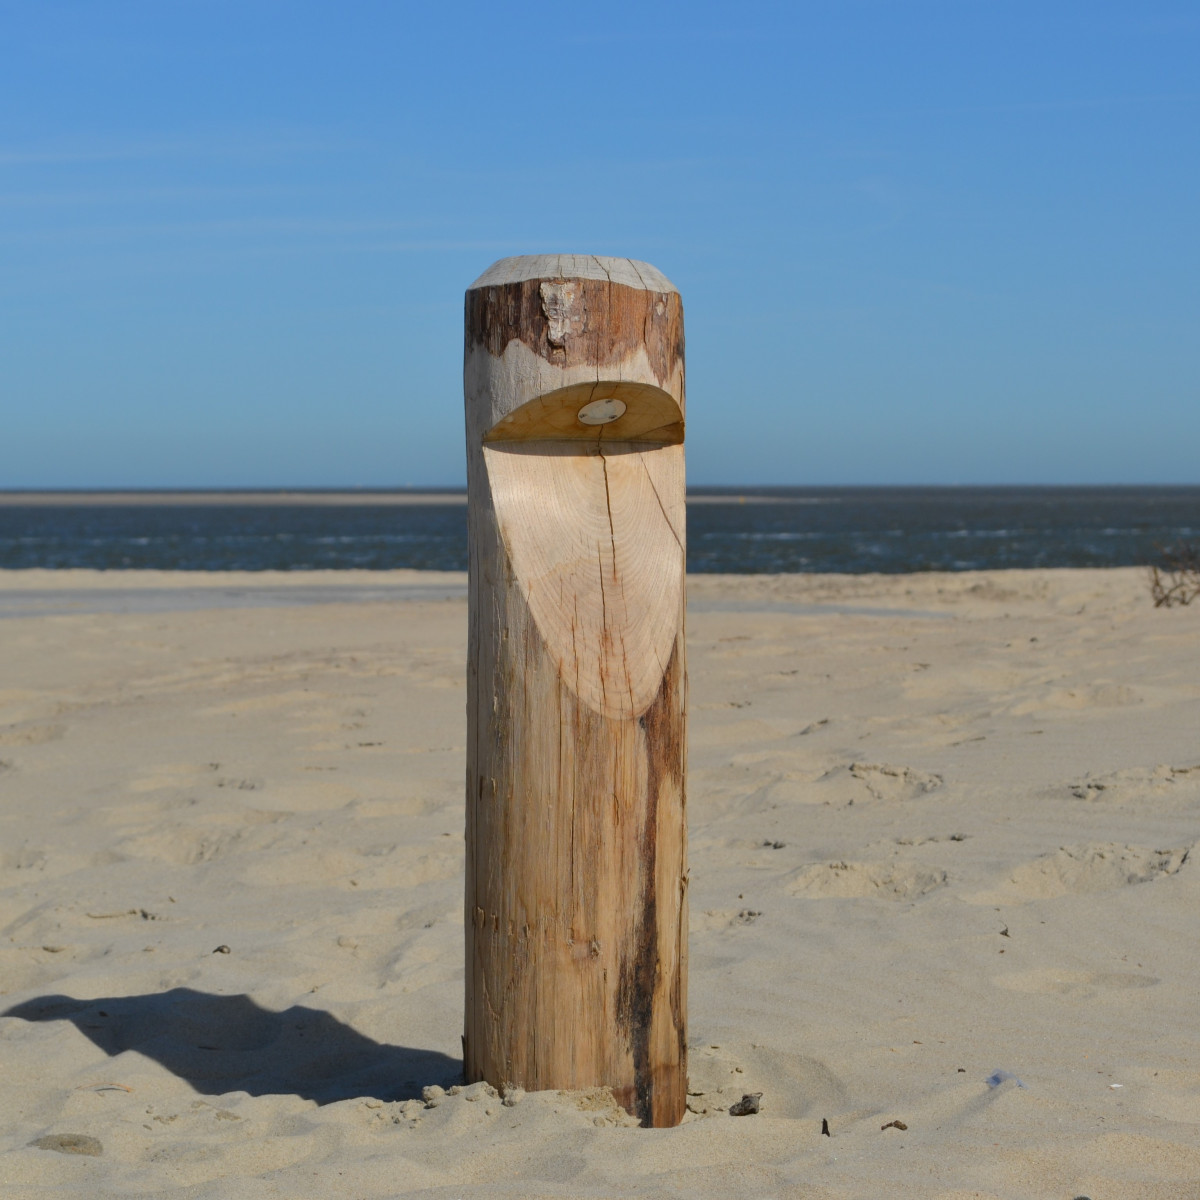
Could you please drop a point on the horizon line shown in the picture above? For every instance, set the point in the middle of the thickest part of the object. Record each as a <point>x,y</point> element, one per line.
<point>457,494</point>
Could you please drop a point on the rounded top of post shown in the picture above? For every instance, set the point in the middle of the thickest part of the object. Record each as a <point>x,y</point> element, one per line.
<point>626,271</point>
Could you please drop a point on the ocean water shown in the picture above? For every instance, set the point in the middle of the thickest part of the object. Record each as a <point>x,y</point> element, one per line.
<point>851,530</point>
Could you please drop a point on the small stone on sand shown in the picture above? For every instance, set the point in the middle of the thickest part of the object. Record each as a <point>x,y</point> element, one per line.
<point>747,1106</point>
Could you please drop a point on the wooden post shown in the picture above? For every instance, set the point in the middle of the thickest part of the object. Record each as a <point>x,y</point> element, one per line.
<point>576,897</point>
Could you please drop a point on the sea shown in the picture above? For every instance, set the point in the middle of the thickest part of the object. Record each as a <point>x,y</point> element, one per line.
<point>730,530</point>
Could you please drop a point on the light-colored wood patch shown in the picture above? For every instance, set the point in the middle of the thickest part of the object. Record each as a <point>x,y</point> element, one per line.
<point>628,272</point>
<point>595,537</point>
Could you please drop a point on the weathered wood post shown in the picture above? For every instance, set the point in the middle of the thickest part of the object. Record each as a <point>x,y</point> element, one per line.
<point>576,896</point>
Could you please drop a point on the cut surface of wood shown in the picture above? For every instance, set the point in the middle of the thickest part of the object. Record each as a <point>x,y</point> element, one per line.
<point>595,537</point>
<point>646,414</point>
<point>629,272</point>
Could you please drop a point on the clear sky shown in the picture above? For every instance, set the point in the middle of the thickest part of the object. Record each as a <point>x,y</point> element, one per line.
<point>918,242</point>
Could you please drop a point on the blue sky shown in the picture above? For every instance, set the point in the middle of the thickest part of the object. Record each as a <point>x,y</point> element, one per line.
<point>918,242</point>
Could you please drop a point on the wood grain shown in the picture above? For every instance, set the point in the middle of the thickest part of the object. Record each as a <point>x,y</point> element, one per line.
<point>576,847</point>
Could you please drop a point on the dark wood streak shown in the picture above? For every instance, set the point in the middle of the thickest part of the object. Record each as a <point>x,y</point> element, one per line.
<point>657,1100</point>
<point>617,320</point>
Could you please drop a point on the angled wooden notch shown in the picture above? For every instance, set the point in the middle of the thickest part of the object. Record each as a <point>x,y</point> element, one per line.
<point>576,893</point>
<point>612,411</point>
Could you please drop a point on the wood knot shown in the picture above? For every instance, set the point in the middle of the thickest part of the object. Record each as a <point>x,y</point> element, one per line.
<point>560,308</point>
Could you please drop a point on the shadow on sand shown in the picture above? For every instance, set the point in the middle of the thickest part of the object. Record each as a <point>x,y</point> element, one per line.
<point>224,1044</point>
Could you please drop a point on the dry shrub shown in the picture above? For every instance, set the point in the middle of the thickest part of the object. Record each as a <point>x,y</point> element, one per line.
<point>1175,579</point>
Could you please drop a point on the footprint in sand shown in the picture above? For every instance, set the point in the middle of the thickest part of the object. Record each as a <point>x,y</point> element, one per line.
<point>187,846</point>
<point>172,776</point>
<point>383,866</point>
<point>30,735</point>
<point>877,781</point>
<point>1073,870</point>
<point>845,880</point>
<point>24,859</point>
<point>722,918</point>
<point>1079,985</point>
<point>1140,783</point>
<point>396,806</point>
<point>1098,695</point>
<point>181,847</point>
<point>791,1085</point>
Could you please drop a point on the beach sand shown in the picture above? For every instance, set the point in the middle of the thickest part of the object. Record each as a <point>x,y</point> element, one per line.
<point>941,826</point>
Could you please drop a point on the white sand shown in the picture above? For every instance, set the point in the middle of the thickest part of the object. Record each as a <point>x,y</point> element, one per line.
<point>887,774</point>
